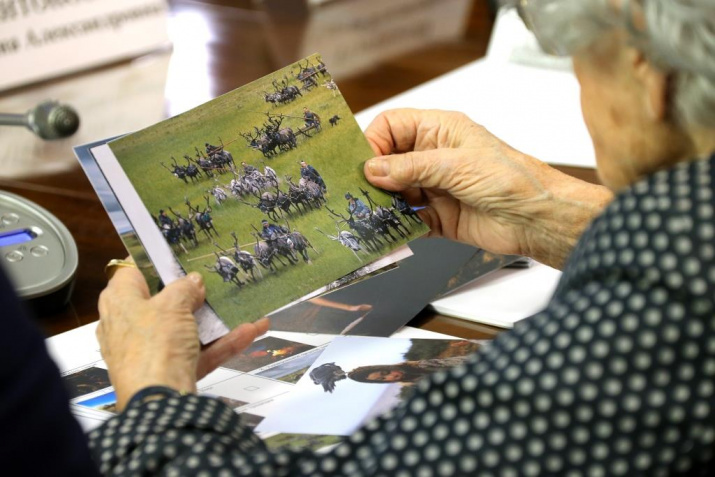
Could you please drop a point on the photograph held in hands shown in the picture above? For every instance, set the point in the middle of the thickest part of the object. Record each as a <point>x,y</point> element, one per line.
<point>260,190</point>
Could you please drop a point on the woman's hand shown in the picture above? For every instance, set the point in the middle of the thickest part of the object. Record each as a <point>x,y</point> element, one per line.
<point>149,341</point>
<point>476,189</point>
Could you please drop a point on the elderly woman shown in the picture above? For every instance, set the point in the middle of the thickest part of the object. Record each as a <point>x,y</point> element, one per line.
<point>615,377</point>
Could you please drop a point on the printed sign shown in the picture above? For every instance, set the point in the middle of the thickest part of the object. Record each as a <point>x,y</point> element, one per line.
<point>40,39</point>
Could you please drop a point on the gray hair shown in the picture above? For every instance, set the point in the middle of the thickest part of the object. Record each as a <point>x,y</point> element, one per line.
<point>678,36</point>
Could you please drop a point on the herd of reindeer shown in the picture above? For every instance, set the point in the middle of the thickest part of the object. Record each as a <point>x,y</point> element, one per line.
<point>262,190</point>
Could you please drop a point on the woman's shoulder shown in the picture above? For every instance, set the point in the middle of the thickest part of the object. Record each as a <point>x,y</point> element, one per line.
<point>662,228</point>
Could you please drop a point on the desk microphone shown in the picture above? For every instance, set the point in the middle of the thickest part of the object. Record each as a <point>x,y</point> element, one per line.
<point>48,120</point>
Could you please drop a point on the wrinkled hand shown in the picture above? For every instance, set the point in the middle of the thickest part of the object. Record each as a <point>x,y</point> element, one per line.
<point>148,341</point>
<point>478,190</point>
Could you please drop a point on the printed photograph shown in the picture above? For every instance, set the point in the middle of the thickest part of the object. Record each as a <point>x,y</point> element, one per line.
<point>106,402</point>
<point>86,381</point>
<point>482,264</point>
<point>291,370</point>
<point>367,376</point>
<point>321,315</point>
<point>262,191</point>
<point>266,351</point>
<point>250,420</point>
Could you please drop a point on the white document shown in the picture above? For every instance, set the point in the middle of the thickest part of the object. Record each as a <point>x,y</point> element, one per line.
<point>502,298</point>
<point>40,40</point>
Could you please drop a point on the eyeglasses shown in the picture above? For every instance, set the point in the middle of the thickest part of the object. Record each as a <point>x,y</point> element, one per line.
<point>527,13</point>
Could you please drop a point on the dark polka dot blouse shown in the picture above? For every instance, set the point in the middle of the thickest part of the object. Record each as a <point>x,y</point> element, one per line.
<point>615,377</point>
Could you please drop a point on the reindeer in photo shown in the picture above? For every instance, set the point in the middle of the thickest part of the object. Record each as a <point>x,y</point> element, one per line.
<point>265,254</point>
<point>346,239</point>
<point>298,196</point>
<point>284,137</point>
<point>313,192</point>
<point>307,76</point>
<point>267,204</point>
<point>332,87</point>
<point>278,238</point>
<point>401,205</point>
<point>218,193</point>
<point>260,141</point>
<point>192,170</point>
<point>245,260</point>
<point>300,242</point>
<point>270,174</point>
<point>237,187</point>
<point>367,233</point>
<point>284,203</point>
<point>206,165</point>
<point>178,171</point>
<point>220,157</point>
<point>227,269</point>
<point>188,231</point>
<point>203,218</point>
<point>285,92</point>
<point>171,231</point>
<point>385,219</point>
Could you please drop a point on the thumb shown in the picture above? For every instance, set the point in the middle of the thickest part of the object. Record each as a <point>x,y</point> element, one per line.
<point>424,169</point>
<point>188,292</point>
<point>230,345</point>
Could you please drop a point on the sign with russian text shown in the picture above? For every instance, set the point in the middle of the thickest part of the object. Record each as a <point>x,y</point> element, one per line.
<point>40,39</point>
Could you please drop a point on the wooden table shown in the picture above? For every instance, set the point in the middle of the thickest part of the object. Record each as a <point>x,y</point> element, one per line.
<point>236,55</point>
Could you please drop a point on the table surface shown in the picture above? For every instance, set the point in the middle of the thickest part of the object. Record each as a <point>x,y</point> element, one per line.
<point>237,54</point>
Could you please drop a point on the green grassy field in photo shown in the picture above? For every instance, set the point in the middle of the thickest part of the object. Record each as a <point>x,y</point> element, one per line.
<point>337,152</point>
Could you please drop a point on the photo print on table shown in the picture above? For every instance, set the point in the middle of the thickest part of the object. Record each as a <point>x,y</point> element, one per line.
<point>358,378</point>
<point>104,402</point>
<point>260,192</point>
<point>86,381</point>
<point>265,351</point>
<point>291,370</point>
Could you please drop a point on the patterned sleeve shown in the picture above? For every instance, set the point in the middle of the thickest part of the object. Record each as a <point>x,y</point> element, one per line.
<point>615,377</point>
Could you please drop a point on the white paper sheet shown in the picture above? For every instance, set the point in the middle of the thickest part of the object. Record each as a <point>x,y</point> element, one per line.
<point>502,298</point>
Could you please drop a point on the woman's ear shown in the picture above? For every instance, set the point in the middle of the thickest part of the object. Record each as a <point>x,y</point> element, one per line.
<point>653,82</point>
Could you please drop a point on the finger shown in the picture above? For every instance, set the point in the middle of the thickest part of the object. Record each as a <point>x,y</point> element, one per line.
<point>392,131</point>
<point>129,280</point>
<point>125,287</point>
<point>230,345</point>
<point>188,292</point>
<point>404,130</point>
<point>422,169</point>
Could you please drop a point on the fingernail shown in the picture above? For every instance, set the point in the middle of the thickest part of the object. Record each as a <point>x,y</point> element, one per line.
<point>196,278</point>
<point>379,167</point>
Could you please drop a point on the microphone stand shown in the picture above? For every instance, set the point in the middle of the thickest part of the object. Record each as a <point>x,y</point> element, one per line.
<point>48,120</point>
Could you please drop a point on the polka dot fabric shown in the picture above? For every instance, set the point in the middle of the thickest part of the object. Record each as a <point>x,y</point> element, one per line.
<point>615,377</point>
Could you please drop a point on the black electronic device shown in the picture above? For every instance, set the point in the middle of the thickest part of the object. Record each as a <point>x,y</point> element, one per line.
<point>37,252</point>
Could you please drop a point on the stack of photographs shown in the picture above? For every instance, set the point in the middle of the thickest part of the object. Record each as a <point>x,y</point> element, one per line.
<point>262,192</point>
